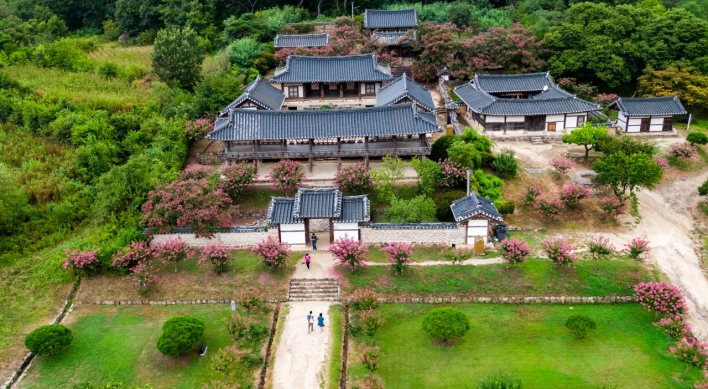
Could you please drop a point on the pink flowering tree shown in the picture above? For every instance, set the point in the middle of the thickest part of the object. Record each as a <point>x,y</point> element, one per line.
<point>674,326</point>
<point>143,276</point>
<point>349,251</point>
<point>354,179</point>
<point>286,175</point>
<point>636,248</point>
<point>612,206</point>
<point>682,150</point>
<point>600,247</point>
<point>173,251</point>
<point>570,195</point>
<point>548,207</point>
<point>370,358</point>
<point>662,298</point>
<point>663,162</point>
<point>81,262</point>
<point>217,255</point>
<point>400,255</point>
<point>605,99</point>
<point>691,351</point>
<point>530,193</point>
<point>514,250</point>
<point>195,172</point>
<point>187,203</point>
<point>561,165</point>
<point>133,255</point>
<point>451,173</point>
<point>237,177</point>
<point>560,251</point>
<point>273,252</point>
<point>198,129</point>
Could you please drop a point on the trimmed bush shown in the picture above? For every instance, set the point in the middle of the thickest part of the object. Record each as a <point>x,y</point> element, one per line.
<point>505,207</point>
<point>439,150</point>
<point>48,340</point>
<point>697,138</point>
<point>446,323</point>
<point>443,201</point>
<point>499,382</point>
<point>505,164</point>
<point>579,325</point>
<point>179,334</point>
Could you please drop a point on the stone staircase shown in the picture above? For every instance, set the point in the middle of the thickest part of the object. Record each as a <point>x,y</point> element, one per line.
<point>536,140</point>
<point>314,289</point>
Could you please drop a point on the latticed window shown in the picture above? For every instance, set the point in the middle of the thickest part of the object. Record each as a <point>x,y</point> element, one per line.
<point>293,91</point>
<point>370,89</point>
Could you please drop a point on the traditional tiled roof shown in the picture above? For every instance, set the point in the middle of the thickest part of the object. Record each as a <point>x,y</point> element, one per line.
<point>503,83</point>
<point>355,209</point>
<point>260,93</point>
<point>317,203</point>
<point>377,18</point>
<point>280,211</point>
<point>349,68</point>
<point>649,106</point>
<point>482,102</point>
<point>403,88</point>
<point>391,38</point>
<point>303,40</point>
<point>443,71</point>
<point>429,116</point>
<point>413,226</point>
<point>248,124</point>
<point>473,205</point>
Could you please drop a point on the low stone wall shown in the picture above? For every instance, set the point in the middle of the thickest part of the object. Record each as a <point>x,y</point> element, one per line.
<point>417,235</point>
<point>513,300</point>
<point>232,239</point>
<point>171,302</point>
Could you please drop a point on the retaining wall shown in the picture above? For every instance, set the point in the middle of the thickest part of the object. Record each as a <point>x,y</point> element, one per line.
<point>418,235</point>
<point>232,239</point>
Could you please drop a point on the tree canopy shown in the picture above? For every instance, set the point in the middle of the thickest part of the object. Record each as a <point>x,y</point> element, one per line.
<point>178,57</point>
<point>625,174</point>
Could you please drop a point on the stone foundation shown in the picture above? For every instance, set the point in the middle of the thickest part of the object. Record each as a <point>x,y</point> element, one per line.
<point>232,239</point>
<point>445,236</point>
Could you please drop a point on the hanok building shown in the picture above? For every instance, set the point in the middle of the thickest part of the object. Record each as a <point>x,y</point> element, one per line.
<point>391,27</point>
<point>522,102</point>
<point>651,114</point>
<point>350,80</point>
<point>405,90</point>
<point>293,215</point>
<point>479,214</point>
<point>302,40</point>
<point>396,130</point>
<point>257,95</point>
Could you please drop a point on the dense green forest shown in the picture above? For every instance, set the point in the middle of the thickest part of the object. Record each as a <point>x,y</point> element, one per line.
<point>88,126</point>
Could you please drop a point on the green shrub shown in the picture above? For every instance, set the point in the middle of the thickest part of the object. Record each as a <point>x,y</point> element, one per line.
<point>499,382</point>
<point>131,72</point>
<point>179,334</point>
<point>505,207</point>
<point>446,323</point>
<point>417,210</point>
<point>146,38</point>
<point>252,360</point>
<point>489,186</point>
<point>505,164</point>
<point>697,138</point>
<point>107,69</point>
<point>111,31</point>
<point>48,340</point>
<point>444,200</point>
<point>438,151</point>
<point>579,325</point>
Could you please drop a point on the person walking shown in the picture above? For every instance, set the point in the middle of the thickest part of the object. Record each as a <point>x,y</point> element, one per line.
<point>310,323</point>
<point>314,241</point>
<point>320,322</point>
<point>307,262</point>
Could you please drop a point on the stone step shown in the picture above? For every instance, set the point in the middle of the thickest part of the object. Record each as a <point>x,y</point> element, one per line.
<point>291,295</point>
<point>332,292</point>
<point>314,299</point>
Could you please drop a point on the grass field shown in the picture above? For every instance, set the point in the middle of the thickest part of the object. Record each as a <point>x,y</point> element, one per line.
<point>531,343</point>
<point>80,87</point>
<point>536,277</point>
<point>124,55</point>
<point>118,343</point>
<point>333,366</point>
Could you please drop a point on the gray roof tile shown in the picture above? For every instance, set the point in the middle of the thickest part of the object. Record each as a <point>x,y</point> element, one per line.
<point>647,106</point>
<point>501,83</point>
<point>390,38</point>
<point>303,40</point>
<point>317,203</point>
<point>473,205</point>
<point>260,93</point>
<point>246,124</point>
<point>413,226</point>
<point>377,18</point>
<point>349,68</point>
<point>280,211</point>
<point>400,89</point>
<point>355,209</point>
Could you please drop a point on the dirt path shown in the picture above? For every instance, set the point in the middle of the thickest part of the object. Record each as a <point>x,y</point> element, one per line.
<point>300,356</point>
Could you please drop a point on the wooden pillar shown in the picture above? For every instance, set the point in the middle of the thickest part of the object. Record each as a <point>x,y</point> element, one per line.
<point>322,92</point>
<point>307,232</point>
<point>339,144</point>
<point>255,162</point>
<point>311,157</point>
<point>341,90</point>
<point>395,148</point>
<point>304,91</point>
<point>310,162</point>
<point>258,145</point>
<point>358,89</point>
<point>282,144</point>
<point>331,231</point>
<point>254,146</point>
<point>311,143</point>
<point>339,163</point>
<point>366,161</point>
<point>422,140</point>
<point>366,143</point>
<point>228,146</point>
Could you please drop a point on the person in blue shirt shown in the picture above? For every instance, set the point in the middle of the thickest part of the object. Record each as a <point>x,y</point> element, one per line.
<point>320,322</point>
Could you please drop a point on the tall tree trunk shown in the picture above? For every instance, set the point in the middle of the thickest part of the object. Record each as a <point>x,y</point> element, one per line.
<point>336,4</point>
<point>300,3</point>
<point>318,8</point>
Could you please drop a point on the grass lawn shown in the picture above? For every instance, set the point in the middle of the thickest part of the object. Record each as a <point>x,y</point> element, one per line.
<point>536,277</point>
<point>193,281</point>
<point>333,367</point>
<point>531,343</point>
<point>124,55</point>
<point>119,343</point>
<point>420,254</point>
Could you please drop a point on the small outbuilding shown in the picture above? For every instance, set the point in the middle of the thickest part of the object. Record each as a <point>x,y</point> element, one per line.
<point>293,215</point>
<point>478,214</point>
<point>647,114</point>
<point>302,40</point>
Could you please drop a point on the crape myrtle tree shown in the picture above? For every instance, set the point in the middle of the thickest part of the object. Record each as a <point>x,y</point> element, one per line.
<point>434,49</point>
<point>177,57</point>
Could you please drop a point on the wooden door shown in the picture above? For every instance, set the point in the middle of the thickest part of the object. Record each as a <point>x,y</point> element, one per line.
<point>552,126</point>
<point>535,123</point>
<point>644,126</point>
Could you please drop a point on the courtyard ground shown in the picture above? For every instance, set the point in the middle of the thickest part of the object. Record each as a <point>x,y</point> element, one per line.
<point>528,341</point>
